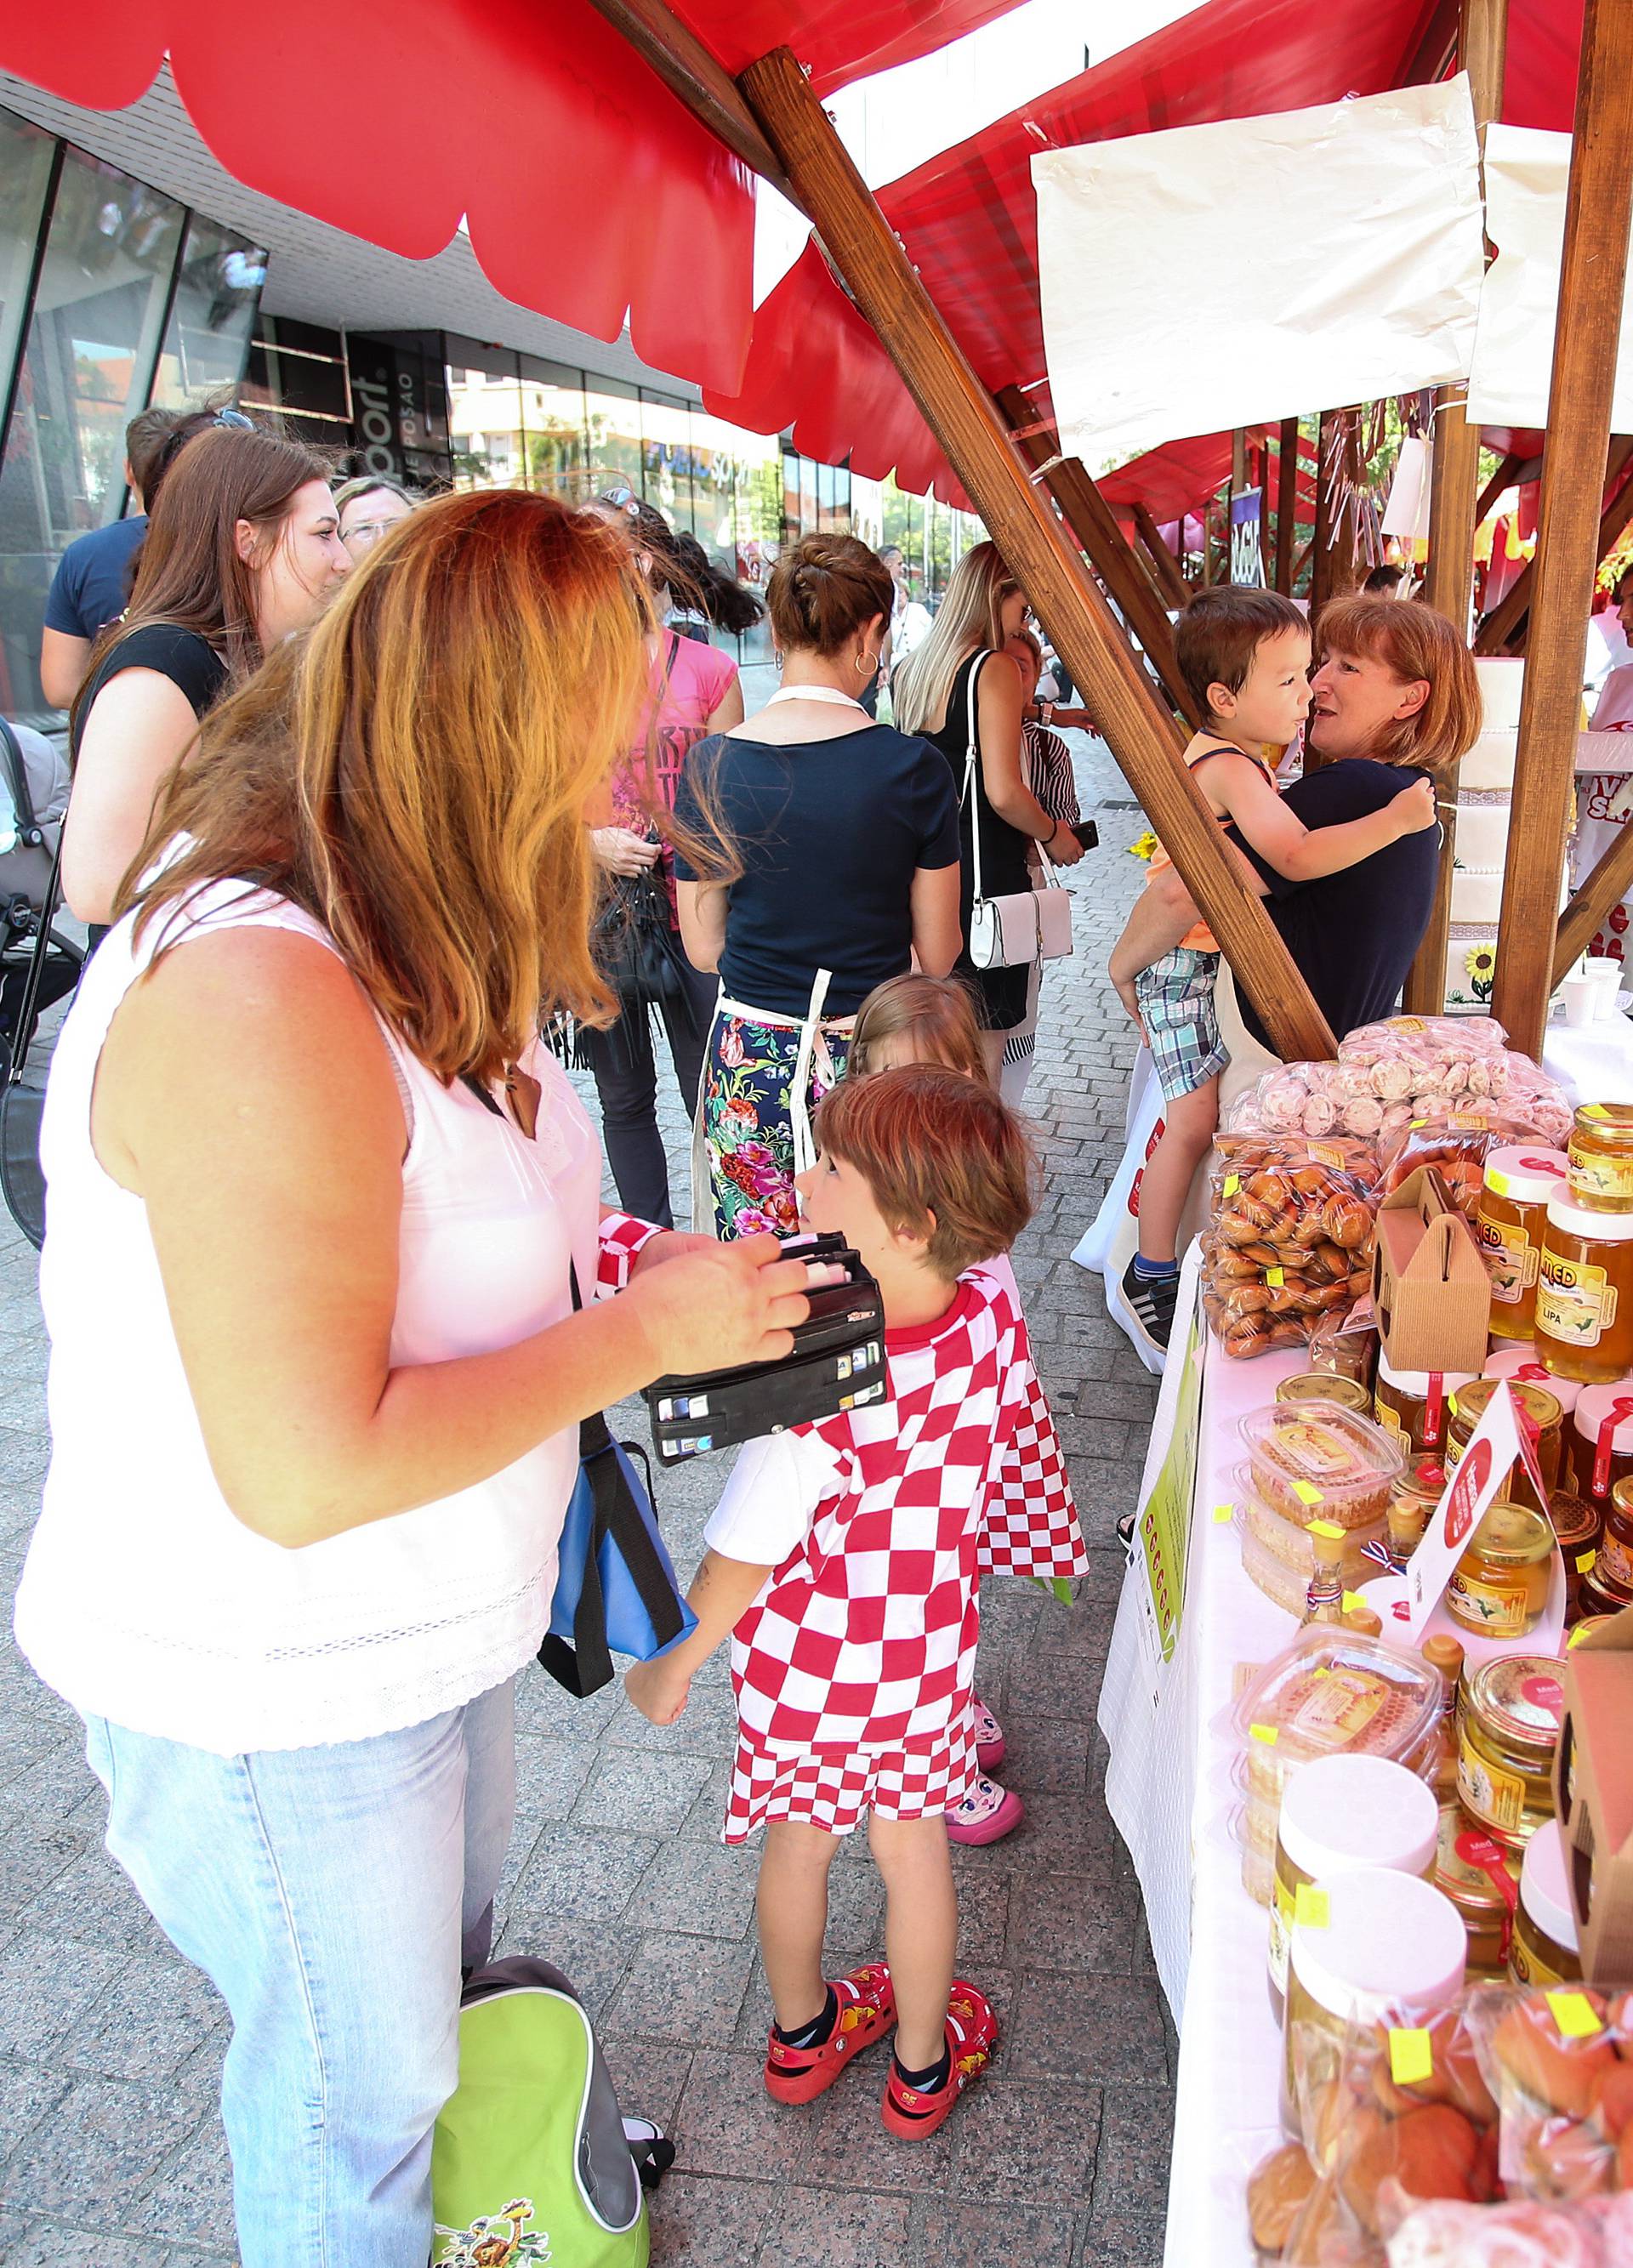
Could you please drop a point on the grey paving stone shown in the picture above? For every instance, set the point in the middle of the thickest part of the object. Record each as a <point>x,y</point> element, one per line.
<point>1067,1923</point>
<point>27,2091</point>
<point>1136,2138</point>
<point>956,2233</point>
<point>1027,2140</point>
<point>1120,2240</point>
<point>47,2244</point>
<point>652,1794</point>
<point>158,2016</point>
<point>649,2075</point>
<point>190,2197</point>
<point>700,2222</point>
<point>683,1989</point>
<point>581,1875</point>
<point>704,1888</point>
<point>594,1959</point>
<point>728,2124</point>
<point>816,2229</point>
<point>97,2149</point>
<point>45,1987</point>
<point>1106,2031</point>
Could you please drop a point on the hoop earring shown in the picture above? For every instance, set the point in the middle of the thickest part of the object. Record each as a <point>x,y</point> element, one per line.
<point>776,657</point>
<point>865,664</point>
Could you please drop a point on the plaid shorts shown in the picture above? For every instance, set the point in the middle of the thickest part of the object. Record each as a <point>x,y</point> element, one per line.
<point>1176,997</point>
<point>832,1788</point>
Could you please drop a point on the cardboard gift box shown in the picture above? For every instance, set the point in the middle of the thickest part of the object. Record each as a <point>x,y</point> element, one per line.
<point>1432,1293</point>
<point>1593,1797</point>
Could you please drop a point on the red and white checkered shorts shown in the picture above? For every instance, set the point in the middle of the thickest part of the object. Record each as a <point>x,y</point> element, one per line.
<point>832,1788</point>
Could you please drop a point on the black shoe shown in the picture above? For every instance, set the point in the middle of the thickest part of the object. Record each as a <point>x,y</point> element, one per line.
<point>1153,1301</point>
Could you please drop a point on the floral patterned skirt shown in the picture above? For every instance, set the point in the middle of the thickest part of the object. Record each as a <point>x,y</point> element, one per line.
<point>745,1112</point>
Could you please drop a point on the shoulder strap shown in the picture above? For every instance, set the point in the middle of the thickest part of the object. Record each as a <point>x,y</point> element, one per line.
<point>22,802</point>
<point>971,758</point>
<point>23,1027</point>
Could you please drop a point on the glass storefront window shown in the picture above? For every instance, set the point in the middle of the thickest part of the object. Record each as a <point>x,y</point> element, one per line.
<point>26,156</point>
<point>666,457</point>
<point>212,316</point>
<point>552,408</point>
<point>485,421</point>
<point>613,415</point>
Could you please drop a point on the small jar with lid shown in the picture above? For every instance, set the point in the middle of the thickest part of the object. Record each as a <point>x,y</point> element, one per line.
<point>1601,1157</point>
<point>1412,1502</point>
<point>1415,1406</point>
<point>1585,1293</point>
<point>1543,1948</point>
<point>1508,1731</point>
<point>1613,1570</point>
<point>1601,1439</point>
<point>1338,1814</point>
<point>1513,1211</point>
<point>1499,1587</point>
<point>1481,1876</point>
<point>1577,1526</point>
<point>1539,1408</point>
<point>1522,1366</point>
<point>1442,1652</point>
<point>1326,1386</point>
<point>1373,1947</point>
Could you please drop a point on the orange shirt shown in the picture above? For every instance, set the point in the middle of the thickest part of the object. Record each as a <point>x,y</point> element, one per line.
<point>1199,938</point>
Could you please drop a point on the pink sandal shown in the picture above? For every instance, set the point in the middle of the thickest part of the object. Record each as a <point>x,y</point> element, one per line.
<point>986,1814</point>
<point>989,1740</point>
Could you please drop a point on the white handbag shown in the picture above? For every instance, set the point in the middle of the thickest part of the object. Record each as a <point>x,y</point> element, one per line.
<point>1026,926</point>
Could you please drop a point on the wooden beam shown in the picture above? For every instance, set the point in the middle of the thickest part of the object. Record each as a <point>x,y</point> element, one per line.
<point>1286,505</point>
<point>1503,478</point>
<point>1605,886</point>
<point>686,67</point>
<point>1170,582</point>
<point>1599,208</point>
<point>1109,553</point>
<point>961,414</point>
<point>1449,586</point>
<point>1501,631</point>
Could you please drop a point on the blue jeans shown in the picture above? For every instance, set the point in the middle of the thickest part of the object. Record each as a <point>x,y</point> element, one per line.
<point>330,1894</point>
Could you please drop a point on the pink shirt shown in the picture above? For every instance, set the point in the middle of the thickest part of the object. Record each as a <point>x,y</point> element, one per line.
<point>689,680</point>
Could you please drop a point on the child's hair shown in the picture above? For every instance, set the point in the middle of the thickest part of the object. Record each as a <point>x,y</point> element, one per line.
<point>936,1012</point>
<point>943,1156</point>
<point>1222,630</point>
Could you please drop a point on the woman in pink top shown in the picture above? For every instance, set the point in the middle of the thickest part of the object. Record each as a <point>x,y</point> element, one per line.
<point>695,691</point>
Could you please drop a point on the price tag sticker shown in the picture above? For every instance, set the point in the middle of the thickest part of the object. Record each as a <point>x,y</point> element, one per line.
<point>1265,1733</point>
<point>1223,1512</point>
<point>1319,1673</point>
<point>1306,1492</point>
<point>1232,1184</point>
<point>1276,1277</point>
<point>1350,1601</point>
<point>1585,1560</point>
<point>1310,1907</point>
<point>1324,1527</point>
<point>1573,2013</point>
<point>1411,2057</point>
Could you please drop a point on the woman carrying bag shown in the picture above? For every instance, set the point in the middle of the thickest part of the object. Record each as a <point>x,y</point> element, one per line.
<point>958,679</point>
<point>318,1196</point>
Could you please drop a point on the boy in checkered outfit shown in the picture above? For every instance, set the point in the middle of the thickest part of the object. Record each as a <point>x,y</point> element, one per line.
<point>843,1559</point>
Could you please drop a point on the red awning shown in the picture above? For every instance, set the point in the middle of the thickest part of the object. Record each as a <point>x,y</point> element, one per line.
<point>968,217</point>
<point>588,188</point>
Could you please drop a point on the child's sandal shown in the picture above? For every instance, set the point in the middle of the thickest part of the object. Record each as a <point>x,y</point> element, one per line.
<point>866,2008</point>
<point>971,2034</point>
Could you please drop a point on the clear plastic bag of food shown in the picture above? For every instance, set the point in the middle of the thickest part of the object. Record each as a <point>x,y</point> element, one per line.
<point>1517,2234</point>
<point>1345,1342</point>
<point>1313,1098</point>
<point>1457,1142</point>
<point>1560,2064</point>
<point>1290,1240</point>
<point>1434,1039</point>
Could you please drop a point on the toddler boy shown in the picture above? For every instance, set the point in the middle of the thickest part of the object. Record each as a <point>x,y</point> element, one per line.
<point>843,1560</point>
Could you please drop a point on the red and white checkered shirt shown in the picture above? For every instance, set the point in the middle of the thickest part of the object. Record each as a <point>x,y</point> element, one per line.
<point>865,1634</point>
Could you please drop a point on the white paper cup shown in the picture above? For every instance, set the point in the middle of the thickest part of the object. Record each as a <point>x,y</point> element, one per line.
<point>1581,997</point>
<point>1606,978</point>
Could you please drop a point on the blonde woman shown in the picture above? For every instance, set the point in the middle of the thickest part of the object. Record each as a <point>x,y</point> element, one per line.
<point>983,609</point>
<point>318,1199</point>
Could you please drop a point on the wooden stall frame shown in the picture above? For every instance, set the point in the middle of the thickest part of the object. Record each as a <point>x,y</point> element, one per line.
<point>1503,629</point>
<point>1453,513</point>
<point>1170,580</point>
<point>1599,210</point>
<point>1286,506</point>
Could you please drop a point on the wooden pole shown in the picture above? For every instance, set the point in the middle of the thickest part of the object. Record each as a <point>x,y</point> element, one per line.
<point>1170,581</point>
<point>1605,886</point>
<point>1504,477</point>
<point>1286,505</point>
<point>1598,207</point>
<point>1502,629</point>
<point>1449,584</point>
<point>1108,551</point>
<point>876,271</point>
<point>687,68</point>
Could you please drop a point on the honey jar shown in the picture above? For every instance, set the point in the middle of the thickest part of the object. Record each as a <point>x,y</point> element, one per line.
<point>1522,1366</point>
<point>1538,1409</point>
<point>1442,1651</point>
<point>1578,1525</point>
<point>1513,1212</point>
<point>1326,1386</point>
<point>1613,1570</point>
<point>1584,1292</point>
<point>1543,1948</point>
<point>1481,1876</point>
<point>1338,1814</point>
<point>1601,1440</point>
<point>1508,1732</point>
<point>1411,1507</point>
<point>1412,1406</point>
<point>1499,1587</point>
<point>1600,1154</point>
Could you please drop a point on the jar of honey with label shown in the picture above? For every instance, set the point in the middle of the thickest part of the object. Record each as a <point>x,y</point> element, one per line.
<point>1413,1406</point>
<point>1578,1525</point>
<point>1522,1366</point>
<point>1323,1386</point>
<point>1600,1154</point>
<point>1513,1211</point>
<point>1538,1409</point>
<point>1613,1571</point>
<point>1601,1440</point>
<point>1508,1732</point>
<point>1543,1950</point>
<point>1499,1587</point>
<point>1584,1292</point>
<point>1412,1501</point>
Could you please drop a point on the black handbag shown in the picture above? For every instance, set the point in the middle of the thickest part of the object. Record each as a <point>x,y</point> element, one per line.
<point>22,1182</point>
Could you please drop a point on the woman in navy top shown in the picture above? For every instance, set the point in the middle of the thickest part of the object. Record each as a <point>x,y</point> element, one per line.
<point>818,854</point>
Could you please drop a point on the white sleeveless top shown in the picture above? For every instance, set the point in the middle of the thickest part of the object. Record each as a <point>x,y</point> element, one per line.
<point>144,1599</point>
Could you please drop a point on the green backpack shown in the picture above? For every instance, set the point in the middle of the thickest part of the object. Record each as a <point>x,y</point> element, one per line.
<point>530,2161</point>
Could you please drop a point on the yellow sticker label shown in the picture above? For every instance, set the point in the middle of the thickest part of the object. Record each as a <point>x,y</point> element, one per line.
<point>1321,1673</point>
<point>1276,1277</point>
<point>1232,1184</point>
<point>1573,2013</point>
<point>1352,1599</point>
<point>1593,1110</point>
<point>1223,1512</point>
<point>1306,1492</point>
<point>1585,1560</point>
<point>1323,1528</point>
<point>1417,1124</point>
<point>1497,1183</point>
<point>1310,1907</point>
<point>1411,2057</point>
<point>1265,1733</point>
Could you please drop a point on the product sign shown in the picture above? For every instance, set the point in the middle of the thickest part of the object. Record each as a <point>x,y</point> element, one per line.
<point>1499,1441</point>
<point>1247,560</point>
<point>1163,1530</point>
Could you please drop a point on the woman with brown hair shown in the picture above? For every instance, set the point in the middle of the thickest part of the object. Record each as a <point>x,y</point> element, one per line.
<point>242,548</point>
<point>963,692</point>
<point>321,1209</point>
<point>842,839</point>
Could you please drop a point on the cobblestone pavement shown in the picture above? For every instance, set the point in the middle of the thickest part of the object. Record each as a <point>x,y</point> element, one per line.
<point>110,2048</point>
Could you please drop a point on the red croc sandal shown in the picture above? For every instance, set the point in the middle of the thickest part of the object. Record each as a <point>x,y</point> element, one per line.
<point>867,2009</point>
<point>971,2036</point>
<point>985,1813</point>
<point>990,1747</point>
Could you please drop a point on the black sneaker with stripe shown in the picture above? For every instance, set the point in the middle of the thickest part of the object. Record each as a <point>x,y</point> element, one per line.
<point>1152,1301</point>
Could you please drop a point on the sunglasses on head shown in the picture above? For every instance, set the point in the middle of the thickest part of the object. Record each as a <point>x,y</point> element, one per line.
<point>621,499</point>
